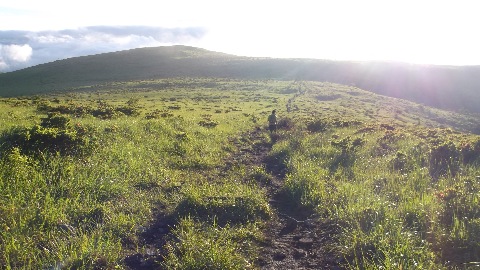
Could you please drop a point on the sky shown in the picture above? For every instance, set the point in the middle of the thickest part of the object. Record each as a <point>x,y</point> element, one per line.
<point>414,31</point>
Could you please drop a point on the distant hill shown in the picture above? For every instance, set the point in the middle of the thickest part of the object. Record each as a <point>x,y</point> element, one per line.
<point>446,87</point>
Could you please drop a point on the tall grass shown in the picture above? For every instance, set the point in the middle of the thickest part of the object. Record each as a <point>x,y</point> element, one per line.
<point>78,210</point>
<point>404,197</point>
<point>394,212</point>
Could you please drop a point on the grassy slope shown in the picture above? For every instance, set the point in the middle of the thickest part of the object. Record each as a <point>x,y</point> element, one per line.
<point>439,86</point>
<point>395,203</point>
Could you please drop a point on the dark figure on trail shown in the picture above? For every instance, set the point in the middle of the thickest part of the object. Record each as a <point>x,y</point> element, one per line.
<point>272,121</point>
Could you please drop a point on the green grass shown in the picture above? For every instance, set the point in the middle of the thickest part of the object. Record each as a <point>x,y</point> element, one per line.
<point>201,246</point>
<point>446,87</point>
<point>395,212</point>
<point>404,194</point>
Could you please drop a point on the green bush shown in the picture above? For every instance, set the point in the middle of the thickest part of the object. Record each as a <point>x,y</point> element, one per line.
<point>285,124</point>
<point>470,152</point>
<point>346,158</point>
<point>319,125</point>
<point>55,121</point>
<point>54,134</point>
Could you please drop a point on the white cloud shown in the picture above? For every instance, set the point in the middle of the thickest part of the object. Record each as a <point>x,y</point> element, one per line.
<point>14,56</point>
<point>44,46</point>
<point>51,38</point>
<point>16,53</point>
<point>3,65</point>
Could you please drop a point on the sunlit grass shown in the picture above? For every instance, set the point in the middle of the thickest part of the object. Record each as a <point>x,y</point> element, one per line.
<point>394,212</point>
<point>360,160</point>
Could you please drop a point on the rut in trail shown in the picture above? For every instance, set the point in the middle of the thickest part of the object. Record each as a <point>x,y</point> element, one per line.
<point>295,238</point>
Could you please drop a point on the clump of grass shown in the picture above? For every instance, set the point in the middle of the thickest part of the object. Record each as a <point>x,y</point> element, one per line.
<point>308,188</point>
<point>223,203</point>
<point>444,159</point>
<point>279,158</point>
<point>201,246</point>
<point>260,175</point>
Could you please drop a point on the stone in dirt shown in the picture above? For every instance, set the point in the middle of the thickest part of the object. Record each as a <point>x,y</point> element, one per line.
<point>305,242</point>
<point>279,256</point>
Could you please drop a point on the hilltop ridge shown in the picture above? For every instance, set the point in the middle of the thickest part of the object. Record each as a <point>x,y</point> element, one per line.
<point>445,87</point>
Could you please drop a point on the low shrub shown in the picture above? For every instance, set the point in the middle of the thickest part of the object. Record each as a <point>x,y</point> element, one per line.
<point>54,120</point>
<point>54,134</point>
<point>346,158</point>
<point>470,152</point>
<point>401,162</point>
<point>285,123</point>
<point>318,125</point>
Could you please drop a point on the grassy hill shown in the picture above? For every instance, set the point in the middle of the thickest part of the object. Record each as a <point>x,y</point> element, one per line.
<point>182,173</point>
<point>159,158</point>
<point>446,87</point>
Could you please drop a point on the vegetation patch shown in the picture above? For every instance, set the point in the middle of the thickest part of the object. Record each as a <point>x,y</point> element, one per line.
<point>55,133</point>
<point>318,125</point>
<point>102,110</point>
<point>201,246</point>
<point>224,204</point>
<point>358,182</point>
<point>207,121</point>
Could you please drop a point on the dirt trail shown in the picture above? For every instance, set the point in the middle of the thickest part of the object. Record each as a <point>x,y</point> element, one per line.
<point>295,238</point>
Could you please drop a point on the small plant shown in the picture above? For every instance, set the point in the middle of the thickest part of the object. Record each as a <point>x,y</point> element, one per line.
<point>208,123</point>
<point>158,113</point>
<point>400,162</point>
<point>319,125</point>
<point>174,107</point>
<point>444,160</point>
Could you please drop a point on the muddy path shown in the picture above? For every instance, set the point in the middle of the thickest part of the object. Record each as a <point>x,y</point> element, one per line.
<point>294,238</point>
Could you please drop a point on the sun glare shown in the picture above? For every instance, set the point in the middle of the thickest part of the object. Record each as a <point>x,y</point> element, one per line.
<point>426,32</point>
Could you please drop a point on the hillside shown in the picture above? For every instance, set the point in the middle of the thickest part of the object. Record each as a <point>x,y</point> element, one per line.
<point>446,87</point>
<point>184,174</point>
